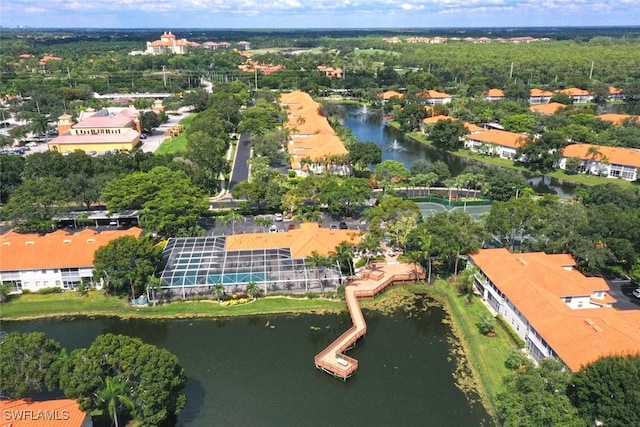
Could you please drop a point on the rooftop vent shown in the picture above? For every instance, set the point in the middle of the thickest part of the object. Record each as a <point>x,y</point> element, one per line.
<point>521,260</point>
<point>66,241</point>
<point>30,242</point>
<point>91,240</point>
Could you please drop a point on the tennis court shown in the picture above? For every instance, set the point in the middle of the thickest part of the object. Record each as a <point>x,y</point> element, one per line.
<point>429,209</point>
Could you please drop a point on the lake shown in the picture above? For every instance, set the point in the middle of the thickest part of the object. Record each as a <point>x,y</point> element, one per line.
<point>368,126</point>
<point>259,371</point>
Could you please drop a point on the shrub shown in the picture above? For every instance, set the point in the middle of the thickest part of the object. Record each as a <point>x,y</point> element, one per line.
<point>514,336</point>
<point>487,324</point>
<point>516,359</point>
<point>45,291</point>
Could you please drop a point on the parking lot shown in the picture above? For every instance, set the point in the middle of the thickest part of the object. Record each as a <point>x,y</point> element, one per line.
<point>216,226</point>
<point>621,291</point>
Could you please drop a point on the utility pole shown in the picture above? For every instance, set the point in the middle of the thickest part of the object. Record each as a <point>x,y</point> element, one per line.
<point>255,74</point>
<point>591,72</point>
<point>164,77</point>
<point>511,71</point>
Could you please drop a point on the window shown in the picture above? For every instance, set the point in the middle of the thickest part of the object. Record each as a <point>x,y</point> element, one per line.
<point>567,300</point>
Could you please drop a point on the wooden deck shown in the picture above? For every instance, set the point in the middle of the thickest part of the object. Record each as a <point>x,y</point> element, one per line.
<point>373,280</point>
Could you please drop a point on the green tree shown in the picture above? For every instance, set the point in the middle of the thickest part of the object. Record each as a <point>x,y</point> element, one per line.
<point>535,396</point>
<point>319,263</point>
<point>363,154</point>
<point>486,324</point>
<point>344,195</point>
<point>154,376</point>
<point>514,219</point>
<point>218,291</point>
<point>35,202</point>
<point>125,264</point>
<point>391,171</point>
<point>10,175</point>
<point>448,134</point>
<point>344,255</point>
<point>149,120</point>
<point>253,289</point>
<point>26,359</point>
<point>114,397</point>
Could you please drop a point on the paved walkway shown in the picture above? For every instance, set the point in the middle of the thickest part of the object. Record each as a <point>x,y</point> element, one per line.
<point>372,280</point>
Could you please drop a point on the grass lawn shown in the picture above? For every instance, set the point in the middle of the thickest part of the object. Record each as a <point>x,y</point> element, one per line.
<point>179,143</point>
<point>31,306</point>
<point>579,178</point>
<point>486,354</point>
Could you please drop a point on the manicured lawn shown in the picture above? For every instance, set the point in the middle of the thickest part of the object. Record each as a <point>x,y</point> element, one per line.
<point>96,304</point>
<point>486,354</point>
<point>179,143</point>
<point>580,178</point>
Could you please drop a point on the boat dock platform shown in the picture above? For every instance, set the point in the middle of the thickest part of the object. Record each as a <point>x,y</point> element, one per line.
<point>374,279</point>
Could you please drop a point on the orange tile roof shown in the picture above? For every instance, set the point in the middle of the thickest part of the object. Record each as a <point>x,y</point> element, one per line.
<point>434,94</point>
<point>55,250</point>
<point>469,126</point>
<point>302,241</point>
<point>575,91</point>
<point>617,119</point>
<point>49,413</point>
<point>614,90</point>
<point>311,135</point>
<point>535,284</point>
<point>390,94</point>
<point>613,155</point>
<point>495,93</point>
<point>499,137</point>
<point>535,92</point>
<point>550,108</point>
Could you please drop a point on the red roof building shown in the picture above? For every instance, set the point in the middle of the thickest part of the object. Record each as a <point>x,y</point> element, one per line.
<point>48,413</point>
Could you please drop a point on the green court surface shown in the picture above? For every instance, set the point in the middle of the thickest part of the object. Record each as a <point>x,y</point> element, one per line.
<point>428,209</point>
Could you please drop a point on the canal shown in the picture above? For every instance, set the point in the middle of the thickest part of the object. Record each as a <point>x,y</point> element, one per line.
<point>259,371</point>
<point>368,125</point>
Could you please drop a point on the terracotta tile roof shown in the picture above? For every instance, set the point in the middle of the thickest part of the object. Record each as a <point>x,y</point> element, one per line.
<point>535,284</point>
<point>434,94</point>
<point>55,250</point>
<point>311,135</point>
<point>546,109</point>
<point>107,119</point>
<point>499,137</point>
<point>49,413</point>
<point>613,155</point>
<point>469,126</point>
<point>535,92</point>
<point>390,94</point>
<point>495,93</point>
<point>302,241</point>
<point>575,91</point>
<point>101,138</point>
<point>617,119</point>
<point>614,90</point>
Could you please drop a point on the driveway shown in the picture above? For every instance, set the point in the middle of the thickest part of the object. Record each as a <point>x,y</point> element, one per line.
<point>155,139</point>
<point>621,291</point>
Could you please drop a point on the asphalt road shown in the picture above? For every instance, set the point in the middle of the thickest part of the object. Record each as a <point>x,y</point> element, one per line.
<point>240,170</point>
<point>621,291</point>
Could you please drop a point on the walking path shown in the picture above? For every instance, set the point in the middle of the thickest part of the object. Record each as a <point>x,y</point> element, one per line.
<point>372,280</point>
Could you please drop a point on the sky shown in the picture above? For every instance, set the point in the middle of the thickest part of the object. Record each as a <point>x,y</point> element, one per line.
<point>213,14</point>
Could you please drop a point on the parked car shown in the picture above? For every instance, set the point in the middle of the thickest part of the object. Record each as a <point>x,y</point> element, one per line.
<point>273,229</point>
<point>636,293</point>
<point>343,226</point>
<point>31,144</point>
<point>92,153</point>
<point>143,136</point>
<point>333,227</point>
<point>292,226</point>
<point>278,217</point>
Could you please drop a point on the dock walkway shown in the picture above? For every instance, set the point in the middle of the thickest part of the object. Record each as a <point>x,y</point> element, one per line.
<point>372,280</point>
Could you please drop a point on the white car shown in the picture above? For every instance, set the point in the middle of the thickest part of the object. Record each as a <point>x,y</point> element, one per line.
<point>31,144</point>
<point>278,217</point>
<point>636,293</point>
<point>273,229</point>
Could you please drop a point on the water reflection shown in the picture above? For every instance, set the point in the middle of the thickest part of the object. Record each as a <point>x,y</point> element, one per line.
<point>368,125</point>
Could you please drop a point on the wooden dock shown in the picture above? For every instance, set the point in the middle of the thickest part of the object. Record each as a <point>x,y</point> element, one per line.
<point>372,280</point>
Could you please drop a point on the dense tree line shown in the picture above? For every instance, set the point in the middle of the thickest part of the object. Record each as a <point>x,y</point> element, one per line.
<point>117,374</point>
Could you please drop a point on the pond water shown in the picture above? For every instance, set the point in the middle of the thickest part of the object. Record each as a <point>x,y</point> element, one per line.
<point>369,126</point>
<point>259,371</point>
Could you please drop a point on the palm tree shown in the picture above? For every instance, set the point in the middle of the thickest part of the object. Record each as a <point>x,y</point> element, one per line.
<point>218,291</point>
<point>232,217</point>
<point>224,221</point>
<point>114,396</point>
<point>414,257</point>
<point>425,239</point>
<point>253,289</point>
<point>369,245</point>
<point>264,222</point>
<point>318,262</point>
<point>344,254</point>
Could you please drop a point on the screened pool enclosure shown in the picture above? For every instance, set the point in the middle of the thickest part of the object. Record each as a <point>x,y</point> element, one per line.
<point>192,265</point>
